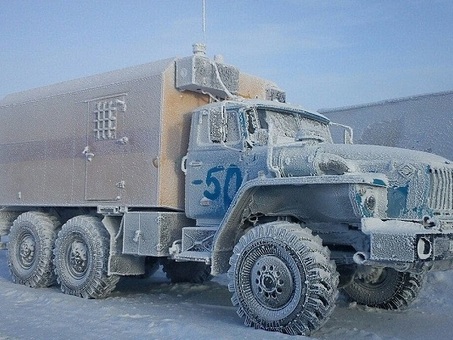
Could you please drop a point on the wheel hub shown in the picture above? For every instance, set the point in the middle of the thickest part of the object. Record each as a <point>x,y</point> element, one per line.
<point>78,258</point>
<point>27,251</point>
<point>272,283</point>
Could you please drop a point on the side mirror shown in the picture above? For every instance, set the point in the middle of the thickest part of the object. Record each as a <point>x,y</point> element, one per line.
<point>348,134</point>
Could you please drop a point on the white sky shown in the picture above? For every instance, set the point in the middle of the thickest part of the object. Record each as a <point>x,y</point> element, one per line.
<point>323,53</point>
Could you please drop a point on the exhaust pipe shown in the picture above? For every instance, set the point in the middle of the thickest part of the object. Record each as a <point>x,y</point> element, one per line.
<point>360,257</point>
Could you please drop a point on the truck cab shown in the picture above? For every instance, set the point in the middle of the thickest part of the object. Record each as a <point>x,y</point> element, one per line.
<point>231,143</point>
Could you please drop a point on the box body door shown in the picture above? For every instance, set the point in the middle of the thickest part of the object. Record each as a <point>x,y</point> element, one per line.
<point>105,148</point>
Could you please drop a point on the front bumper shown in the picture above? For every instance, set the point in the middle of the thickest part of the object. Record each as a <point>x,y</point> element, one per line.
<point>405,242</point>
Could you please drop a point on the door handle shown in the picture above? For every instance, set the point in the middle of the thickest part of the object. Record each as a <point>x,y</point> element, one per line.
<point>184,164</point>
<point>88,155</point>
<point>196,163</point>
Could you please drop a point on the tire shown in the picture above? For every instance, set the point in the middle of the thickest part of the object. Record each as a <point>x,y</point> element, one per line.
<point>385,288</point>
<point>31,241</point>
<point>81,258</point>
<point>282,279</point>
<point>191,272</point>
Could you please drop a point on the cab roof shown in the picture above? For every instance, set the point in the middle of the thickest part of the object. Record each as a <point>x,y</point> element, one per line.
<point>271,105</point>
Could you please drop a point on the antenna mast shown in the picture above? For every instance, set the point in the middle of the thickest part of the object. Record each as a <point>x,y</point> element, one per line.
<point>203,23</point>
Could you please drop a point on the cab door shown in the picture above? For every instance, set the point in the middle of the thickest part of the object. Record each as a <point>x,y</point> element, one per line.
<point>214,165</point>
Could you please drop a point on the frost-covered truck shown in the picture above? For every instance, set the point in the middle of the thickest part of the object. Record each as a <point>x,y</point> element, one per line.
<point>191,164</point>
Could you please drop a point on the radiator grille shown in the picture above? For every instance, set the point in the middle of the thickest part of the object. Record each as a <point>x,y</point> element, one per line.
<point>441,197</point>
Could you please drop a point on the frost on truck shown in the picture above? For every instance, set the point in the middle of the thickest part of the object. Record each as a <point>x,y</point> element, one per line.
<point>193,165</point>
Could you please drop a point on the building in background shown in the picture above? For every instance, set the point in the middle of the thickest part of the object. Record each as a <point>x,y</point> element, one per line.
<point>423,122</point>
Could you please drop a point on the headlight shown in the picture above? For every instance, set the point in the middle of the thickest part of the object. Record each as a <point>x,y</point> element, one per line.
<point>369,201</point>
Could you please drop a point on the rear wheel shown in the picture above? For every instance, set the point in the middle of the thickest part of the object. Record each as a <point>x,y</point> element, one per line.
<point>31,241</point>
<point>282,279</point>
<point>384,287</point>
<point>81,258</point>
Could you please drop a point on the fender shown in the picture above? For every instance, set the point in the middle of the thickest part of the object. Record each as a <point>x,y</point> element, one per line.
<point>309,197</point>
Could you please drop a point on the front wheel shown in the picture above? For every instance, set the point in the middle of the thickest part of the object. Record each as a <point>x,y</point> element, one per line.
<point>282,279</point>
<point>81,258</point>
<point>384,288</point>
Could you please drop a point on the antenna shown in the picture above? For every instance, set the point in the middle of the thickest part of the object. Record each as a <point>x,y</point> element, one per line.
<point>203,23</point>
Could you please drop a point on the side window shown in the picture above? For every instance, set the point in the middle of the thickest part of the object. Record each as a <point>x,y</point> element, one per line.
<point>223,126</point>
<point>216,125</point>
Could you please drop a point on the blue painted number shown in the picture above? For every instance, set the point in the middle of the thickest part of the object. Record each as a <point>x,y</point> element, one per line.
<point>233,181</point>
<point>212,180</point>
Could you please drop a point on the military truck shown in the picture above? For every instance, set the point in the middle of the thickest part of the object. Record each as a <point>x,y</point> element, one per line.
<point>191,164</point>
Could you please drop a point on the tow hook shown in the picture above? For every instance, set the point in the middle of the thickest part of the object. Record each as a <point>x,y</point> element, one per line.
<point>424,248</point>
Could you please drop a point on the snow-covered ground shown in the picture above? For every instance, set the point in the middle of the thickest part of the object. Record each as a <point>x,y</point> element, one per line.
<point>155,309</point>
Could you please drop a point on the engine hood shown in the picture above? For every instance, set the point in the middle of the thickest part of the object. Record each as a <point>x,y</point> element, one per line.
<point>419,183</point>
<point>375,153</point>
<point>337,159</point>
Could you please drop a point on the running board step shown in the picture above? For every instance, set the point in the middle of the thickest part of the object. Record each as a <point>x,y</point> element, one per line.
<point>197,239</point>
<point>195,256</point>
<point>196,244</point>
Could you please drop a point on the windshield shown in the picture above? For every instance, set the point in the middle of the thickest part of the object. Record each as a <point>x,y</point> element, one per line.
<point>286,127</point>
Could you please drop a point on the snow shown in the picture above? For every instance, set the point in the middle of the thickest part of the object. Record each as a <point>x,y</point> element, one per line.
<point>156,309</point>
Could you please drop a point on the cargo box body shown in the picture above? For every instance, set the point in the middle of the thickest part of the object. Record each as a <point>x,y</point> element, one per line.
<point>115,139</point>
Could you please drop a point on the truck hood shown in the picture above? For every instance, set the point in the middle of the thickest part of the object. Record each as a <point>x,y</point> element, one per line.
<point>375,153</point>
<point>419,183</point>
<point>337,159</point>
